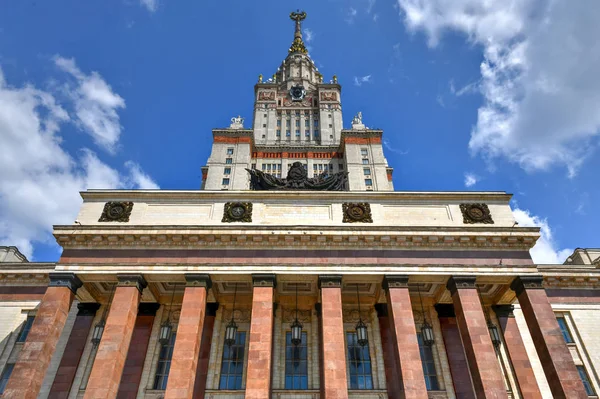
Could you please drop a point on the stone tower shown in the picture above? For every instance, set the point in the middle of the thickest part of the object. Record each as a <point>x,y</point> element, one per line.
<point>297,118</point>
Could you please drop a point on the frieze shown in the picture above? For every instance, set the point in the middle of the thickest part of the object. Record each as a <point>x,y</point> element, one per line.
<point>357,212</point>
<point>329,96</point>
<point>266,96</point>
<point>116,211</point>
<point>237,212</point>
<point>476,213</point>
<point>289,315</point>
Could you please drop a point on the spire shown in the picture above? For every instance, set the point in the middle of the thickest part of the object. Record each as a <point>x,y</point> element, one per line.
<point>298,45</point>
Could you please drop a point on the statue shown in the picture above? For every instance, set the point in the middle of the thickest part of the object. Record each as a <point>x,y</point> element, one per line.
<point>260,78</point>
<point>237,122</point>
<point>357,120</point>
<point>335,79</point>
<point>297,179</point>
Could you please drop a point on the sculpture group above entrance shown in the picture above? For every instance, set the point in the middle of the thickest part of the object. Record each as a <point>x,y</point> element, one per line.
<point>297,179</point>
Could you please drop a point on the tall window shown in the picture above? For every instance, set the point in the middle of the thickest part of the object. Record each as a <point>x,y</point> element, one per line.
<point>359,361</point>
<point>296,363</point>
<point>5,376</point>
<point>230,151</point>
<point>364,152</point>
<point>586,381</point>
<point>431,380</point>
<point>164,364</point>
<point>564,329</point>
<point>227,171</point>
<point>26,328</point>
<point>232,366</point>
<point>228,161</point>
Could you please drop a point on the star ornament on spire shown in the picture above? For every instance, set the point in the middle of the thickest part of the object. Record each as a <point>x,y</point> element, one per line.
<point>298,45</point>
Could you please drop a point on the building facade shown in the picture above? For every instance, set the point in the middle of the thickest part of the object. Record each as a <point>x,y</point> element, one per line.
<point>297,272</point>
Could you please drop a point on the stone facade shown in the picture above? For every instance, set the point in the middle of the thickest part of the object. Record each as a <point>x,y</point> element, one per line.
<point>144,301</point>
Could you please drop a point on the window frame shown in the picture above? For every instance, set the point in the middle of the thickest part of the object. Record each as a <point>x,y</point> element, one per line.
<point>25,328</point>
<point>304,344</point>
<point>355,345</point>
<point>228,161</point>
<point>162,374</point>
<point>428,376</point>
<point>5,376</point>
<point>225,181</point>
<point>587,383</point>
<point>564,329</point>
<point>242,376</point>
<point>230,151</point>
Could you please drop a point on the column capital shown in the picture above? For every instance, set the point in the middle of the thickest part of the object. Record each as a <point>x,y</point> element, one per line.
<point>68,280</point>
<point>264,280</point>
<point>395,281</point>
<point>198,280</point>
<point>456,282</point>
<point>211,308</point>
<point>381,309</point>
<point>330,281</point>
<point>520,283</point>
<point>87,308</point>
<point>503,310</point>
<point>444,309</point>
<point>132,280</point>
<point>148,308</point>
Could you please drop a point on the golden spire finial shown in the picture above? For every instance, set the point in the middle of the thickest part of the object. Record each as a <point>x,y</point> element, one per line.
<point>298,45</point>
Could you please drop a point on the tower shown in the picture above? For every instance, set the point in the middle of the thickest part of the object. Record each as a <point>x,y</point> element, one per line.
<point>297,118</point>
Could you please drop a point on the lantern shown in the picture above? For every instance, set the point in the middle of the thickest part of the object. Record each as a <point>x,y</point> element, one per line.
<point>165,333</point>
<point>361,333</point>
<point>494,334</point>
<point>230,332</point>
<point>296,332</point>
<point>427,334</point>
<point>98,331</point>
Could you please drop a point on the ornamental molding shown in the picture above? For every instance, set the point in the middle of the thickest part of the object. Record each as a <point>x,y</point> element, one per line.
<point>237,212</point>
<point>330,281</point>
<point>68,280</point>
<point>460,282</point>
<point>132,280</point>
<point>264,280</point>
<point>476,213</point>
<point>359,212</point>
<point>198,280</point>
<point>522,283</point>
<point>116,211</point>
<point>342,237</point>
<point>395,281</point>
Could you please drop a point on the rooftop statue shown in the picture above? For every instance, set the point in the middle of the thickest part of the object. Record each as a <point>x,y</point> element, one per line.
<point>237,122</point>
<point>297,179</point>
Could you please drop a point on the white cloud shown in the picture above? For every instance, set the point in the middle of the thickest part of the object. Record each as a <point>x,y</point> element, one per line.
<point>96,104</point>
<point>40,180</point>
<point>370,4</point>
<point>470,179</point>
<point>391,148</point>
<point>538,77</point>
<point>137,177</point>
<point>151,5</point>
<point>359,80</point>
<point>545,249</point>
<point>440,100</point>
<point>351,15</point>
<point>308,35</point>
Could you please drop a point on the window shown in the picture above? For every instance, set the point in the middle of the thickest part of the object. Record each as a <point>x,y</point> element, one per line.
<point>564,329</point>
<point>316,123</point>
<point>278,122</point>
<point>232,366</point>
<point>316,133</point>
<point>431,380</point>
<point>329,115</point>
<point>287,133</point>
<point>253,166</point>
<point>296,363</point>
<point>5,376</point>
<point>306,123</point>
<point>264,166</point>
<point>264,125</point>
<point>297,133</point>
<point>365,161</point>
<point>278,133</point>
<point>359,362</point>
<point>297,113</point>
<point>297,123</point>
<point>264,115</point>
<point>25,330</point>
<point>307,133</point>
<point>330,125</point>
<point>368,182</point>
<point>367,171</point>
<point>227,171</point>
<point>225,181</point>
<point>582,373</point>
<point>228,161</point>
<point>230,151</point>
<point>364,152</point>
<point>164,364</point>
<point>287,123</point>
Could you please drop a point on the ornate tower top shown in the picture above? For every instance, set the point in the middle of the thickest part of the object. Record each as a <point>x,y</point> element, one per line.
<point>298,45</point>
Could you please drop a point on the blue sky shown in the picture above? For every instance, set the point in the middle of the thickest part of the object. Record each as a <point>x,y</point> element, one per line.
<point>470,95</point>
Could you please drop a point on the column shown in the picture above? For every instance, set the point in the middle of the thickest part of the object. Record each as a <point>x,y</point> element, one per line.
<point>114,345</point>
<point>459,368</point>
<point>34,359</point>
<point>481,354</point>
<point>389,360</point>
<point>404,337</point>
<point>205,345</point>
<point>258,373</point>
<point>335,380</point>
<point>136,355</point>
<point>516,351</point>
<point>70,360</point>
<point>184,363</point>
<point>562,376</point>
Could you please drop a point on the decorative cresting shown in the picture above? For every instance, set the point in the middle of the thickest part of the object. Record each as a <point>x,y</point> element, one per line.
<point>264,280</point>
<point>457,282</point>
<point>330,281</point>
<point>198,280</point>
<point>297,179</point>
<point>237,212</point>
<point>116,211</point>
<point>357,212</point>
<point>522,283</point>
<point>69,280</point>
<point>298,45</point>
<point>132,280</point>
<point>476,213</point>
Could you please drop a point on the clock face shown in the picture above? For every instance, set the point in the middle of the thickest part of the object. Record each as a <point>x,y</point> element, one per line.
<point>297,93</point>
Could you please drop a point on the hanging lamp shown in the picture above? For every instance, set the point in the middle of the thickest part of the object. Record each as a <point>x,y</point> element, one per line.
<point>361,327</point>
<point>231,328</point>
<point>166,328</point>
<point>296,325</point>
<point>99,327</point>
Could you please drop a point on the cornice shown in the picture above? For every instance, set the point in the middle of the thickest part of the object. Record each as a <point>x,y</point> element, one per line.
<point>157,195</point>
<point>89,236</point>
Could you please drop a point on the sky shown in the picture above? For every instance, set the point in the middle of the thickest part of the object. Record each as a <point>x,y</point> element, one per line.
<point>471,95</point>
